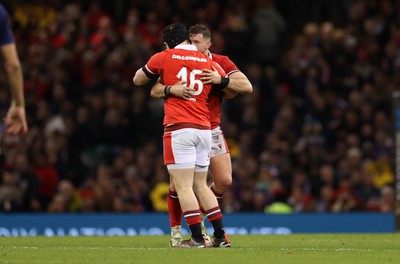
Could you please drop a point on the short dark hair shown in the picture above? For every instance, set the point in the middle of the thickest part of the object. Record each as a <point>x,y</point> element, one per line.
<point>174,34</point>
<point>199,29</point>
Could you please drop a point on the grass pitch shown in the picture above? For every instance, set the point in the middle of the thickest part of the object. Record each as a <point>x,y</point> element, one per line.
<point>299,249</point>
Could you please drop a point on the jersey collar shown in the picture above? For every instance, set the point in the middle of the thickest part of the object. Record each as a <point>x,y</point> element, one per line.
<point>186,47</point>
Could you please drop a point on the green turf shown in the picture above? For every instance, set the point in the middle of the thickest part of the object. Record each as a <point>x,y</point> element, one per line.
<point>318,248</point>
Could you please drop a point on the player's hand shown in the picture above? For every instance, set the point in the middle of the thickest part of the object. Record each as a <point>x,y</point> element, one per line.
<point>16,121</point>
<point>180,90</point>
<point>210,76</point>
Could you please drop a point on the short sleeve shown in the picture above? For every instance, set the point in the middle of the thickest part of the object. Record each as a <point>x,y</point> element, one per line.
<point>229,66</point>
<point>153,67</point>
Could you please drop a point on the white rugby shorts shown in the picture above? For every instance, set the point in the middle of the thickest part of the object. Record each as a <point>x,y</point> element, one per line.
<point>218,144</point>
<point>187,148</point>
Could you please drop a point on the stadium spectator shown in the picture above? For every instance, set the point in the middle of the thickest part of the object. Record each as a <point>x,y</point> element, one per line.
<point>328,93</point>
<point>28,182</point>
<point>269,26</point>
<point>67,194</point>
<point>11,195</point>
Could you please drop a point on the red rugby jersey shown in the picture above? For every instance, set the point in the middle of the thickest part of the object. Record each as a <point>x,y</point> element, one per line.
<point>216,95</point>
<point>183,63</point>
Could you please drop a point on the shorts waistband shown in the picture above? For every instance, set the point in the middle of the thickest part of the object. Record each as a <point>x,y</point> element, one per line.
<point>173,127</point>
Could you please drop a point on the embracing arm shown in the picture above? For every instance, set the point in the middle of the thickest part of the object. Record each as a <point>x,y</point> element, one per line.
<point>238,82</point>
<point>157,91</point>
<point>140,78</point>
<point>179,89</point>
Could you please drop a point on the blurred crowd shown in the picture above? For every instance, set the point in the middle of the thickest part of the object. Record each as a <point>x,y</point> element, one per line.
<point>316,135</point>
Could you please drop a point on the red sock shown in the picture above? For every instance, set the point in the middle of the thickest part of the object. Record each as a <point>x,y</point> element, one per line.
<point>174,209</point>
<point>214,214</point>
<point>202,209</point>
<point>193,220</point>
<point>192,217</point>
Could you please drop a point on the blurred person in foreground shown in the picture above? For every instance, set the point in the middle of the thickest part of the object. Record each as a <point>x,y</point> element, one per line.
<point>15,118</point>
<point>187,133</point>
<point>220,160</point>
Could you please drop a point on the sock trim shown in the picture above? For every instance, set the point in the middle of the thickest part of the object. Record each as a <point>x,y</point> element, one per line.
<point>173,194</point>
<point>192,217</point>
<point>191,214</point>
<point>214,212</point>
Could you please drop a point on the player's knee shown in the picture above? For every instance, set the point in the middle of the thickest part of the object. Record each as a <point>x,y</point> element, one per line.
<point>223,184</point>
<point>200,189</point>
<point>183,191</point>
<point>227,183</point>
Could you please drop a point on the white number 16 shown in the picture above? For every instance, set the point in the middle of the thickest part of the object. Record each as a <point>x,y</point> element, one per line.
<point>183,75</point>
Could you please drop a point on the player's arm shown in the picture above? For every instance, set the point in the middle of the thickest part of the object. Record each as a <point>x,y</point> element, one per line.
<point>14,73</point>
<point>221,81</point>
<point>179,89</point>
<point>148,72</point>
<point>15,118</point>
<point>140,78</point>
<point>238,82</point>
<point>229,93</point>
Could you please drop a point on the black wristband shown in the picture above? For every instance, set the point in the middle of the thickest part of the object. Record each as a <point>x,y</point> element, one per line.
<point>224,82</point>
<point>167,91</point>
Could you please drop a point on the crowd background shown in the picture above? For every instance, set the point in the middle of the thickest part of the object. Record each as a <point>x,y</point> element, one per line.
<point>316,135</point>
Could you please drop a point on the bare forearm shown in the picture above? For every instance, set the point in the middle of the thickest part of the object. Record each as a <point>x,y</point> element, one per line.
<point>157,91</point>
<point>229,93</point>
<point>15,80</point>
<point>13,70</point>
<point>179,89</point>
<point>237,82</point>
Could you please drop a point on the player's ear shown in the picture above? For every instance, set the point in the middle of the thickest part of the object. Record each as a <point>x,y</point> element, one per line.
<point>209,44</point>
<point>166,45</point>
